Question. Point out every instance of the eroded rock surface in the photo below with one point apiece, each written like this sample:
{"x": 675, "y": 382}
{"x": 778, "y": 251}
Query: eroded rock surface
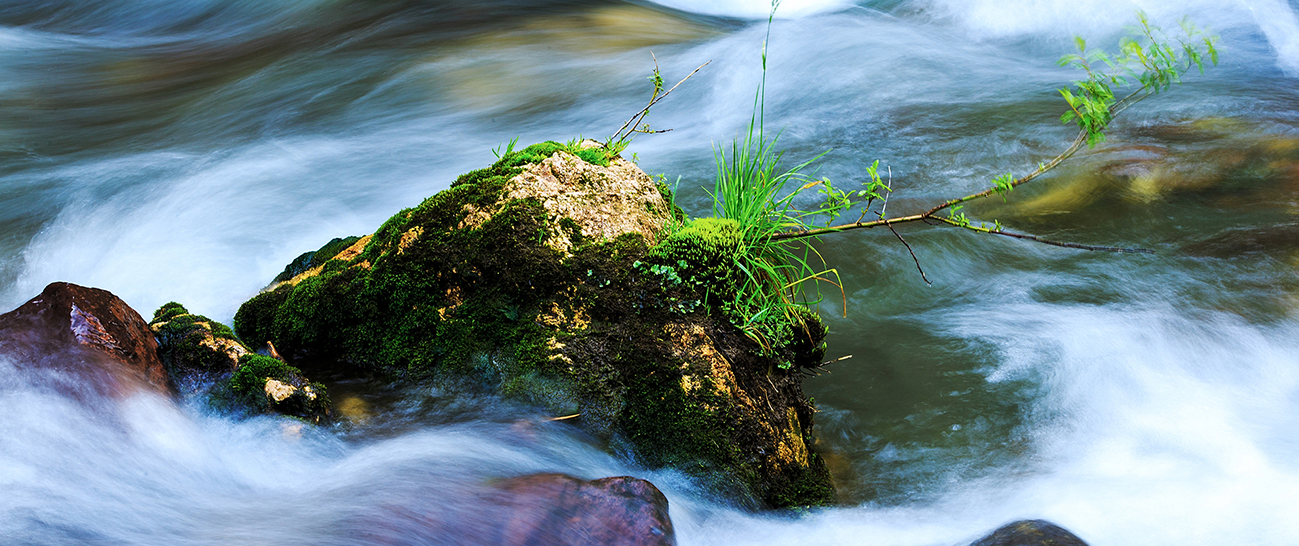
{"x": 560, "y": 510}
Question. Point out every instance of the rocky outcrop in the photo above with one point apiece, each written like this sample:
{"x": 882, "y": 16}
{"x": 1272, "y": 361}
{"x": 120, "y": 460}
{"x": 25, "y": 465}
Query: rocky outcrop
{"x": 1034, "y": 532}
{"x": 261, "y": 384}
{"x": 83, "y": 341}
{"x": 550, "y": 277}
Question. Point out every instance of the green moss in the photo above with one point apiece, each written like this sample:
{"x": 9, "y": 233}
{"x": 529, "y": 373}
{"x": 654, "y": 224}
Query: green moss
{"x": 167, "y": 311}
{"x": 810, "y": 488}
{"x": 308, "y": 260}
{"x": 182, "y": 341}
{"x": 250, "y": 377}
{"x": 248, "y": 386}
{"x": 470, "y": 300}
{"x": 705, "y": 252}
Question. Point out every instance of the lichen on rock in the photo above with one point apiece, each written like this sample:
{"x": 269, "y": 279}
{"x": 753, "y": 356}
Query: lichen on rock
{"x": 543, "y": 277}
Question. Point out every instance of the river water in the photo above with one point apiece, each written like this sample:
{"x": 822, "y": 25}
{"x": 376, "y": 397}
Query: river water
{"x": 187, "y": 150}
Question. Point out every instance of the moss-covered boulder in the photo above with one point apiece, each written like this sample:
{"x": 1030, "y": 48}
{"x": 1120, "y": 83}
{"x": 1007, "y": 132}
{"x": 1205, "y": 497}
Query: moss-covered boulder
{"x": 551, "y": 276}
{"x": 203, "y": 358}
{"x": 194, "y": 349}
{"x": 261, "y": 384}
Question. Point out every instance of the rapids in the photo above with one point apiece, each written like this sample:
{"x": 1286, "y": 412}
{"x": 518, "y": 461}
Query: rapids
{"x": 186, "y": 150}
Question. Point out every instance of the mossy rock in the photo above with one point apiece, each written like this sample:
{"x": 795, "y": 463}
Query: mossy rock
{"x": 195, "y": 350}
{"x": 524, "y": 276}
{"x": 316, "y": 258}
{"x": 262, "y": 385}
{"x": 203, "y": 358}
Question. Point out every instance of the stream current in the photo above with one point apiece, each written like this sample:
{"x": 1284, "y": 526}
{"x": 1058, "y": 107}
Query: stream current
{"x": 187, "y": 150}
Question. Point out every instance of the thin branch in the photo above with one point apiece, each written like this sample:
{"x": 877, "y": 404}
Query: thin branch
{"x": 635, "y": 119}
{"x": 913, "y": 255}
{"x": 1026, "y": 236}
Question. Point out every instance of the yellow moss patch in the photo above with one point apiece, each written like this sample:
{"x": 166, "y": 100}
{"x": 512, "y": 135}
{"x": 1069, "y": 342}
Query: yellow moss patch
{"x": 409, "y": 237}
{"x": 348, "y": 254}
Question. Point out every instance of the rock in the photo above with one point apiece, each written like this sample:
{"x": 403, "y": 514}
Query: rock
{"x": 316, "y": 258}
{"x": 560, "y": 510}
{"x": 1033, "y": 532}
{"x": 534, "y": 510}
{"x": 83, "y": 341}
{"x": 549, "y": 277}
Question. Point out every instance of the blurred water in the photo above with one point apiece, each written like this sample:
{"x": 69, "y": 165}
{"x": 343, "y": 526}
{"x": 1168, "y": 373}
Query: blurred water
{"x": 188, "y": 150}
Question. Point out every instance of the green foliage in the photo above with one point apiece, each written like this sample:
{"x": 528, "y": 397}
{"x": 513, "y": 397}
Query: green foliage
{"x": 246, "y": 390}
{"x": 535, "y": 153}
{"x": 168, "y": 311}
{"x": 1156, "y": 65}
{"x": 308, "y": 260}
{"x": 183, "y": 342}
{"x": 1004, "y": 184}
{"x": 250, "y": 377}
{"x": 758, "y": 195}
{"x": 509, "y": 148}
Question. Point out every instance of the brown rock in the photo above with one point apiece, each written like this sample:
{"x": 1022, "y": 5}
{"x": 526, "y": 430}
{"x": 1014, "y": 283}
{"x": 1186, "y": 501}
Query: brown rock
{"x": 533, "y": 510}
{"x": 83, "y": 341}
{"x": 556, "y": 509}
{"x": 1033, "y": 532}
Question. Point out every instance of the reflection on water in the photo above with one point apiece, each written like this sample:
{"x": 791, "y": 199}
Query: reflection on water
{"x": 188, "y": 150}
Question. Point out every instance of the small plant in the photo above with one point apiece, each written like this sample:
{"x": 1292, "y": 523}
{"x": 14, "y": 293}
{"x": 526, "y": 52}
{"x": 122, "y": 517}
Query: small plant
{"x": 1093, "y": 104}
{"x": 753, "y": 190}
{"x": 509, "y": 148}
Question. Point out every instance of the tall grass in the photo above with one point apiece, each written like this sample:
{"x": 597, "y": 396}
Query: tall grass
{"x": 752, "y": 189}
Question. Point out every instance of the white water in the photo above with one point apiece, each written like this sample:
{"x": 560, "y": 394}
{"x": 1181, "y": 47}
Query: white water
{"x": 1132, "y": 400}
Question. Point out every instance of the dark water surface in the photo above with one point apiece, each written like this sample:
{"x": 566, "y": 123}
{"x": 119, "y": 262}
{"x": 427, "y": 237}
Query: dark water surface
{"x": 187, "y": 150}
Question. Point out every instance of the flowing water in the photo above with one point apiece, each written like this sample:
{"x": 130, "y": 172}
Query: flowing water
{"x": 187, "y": 150}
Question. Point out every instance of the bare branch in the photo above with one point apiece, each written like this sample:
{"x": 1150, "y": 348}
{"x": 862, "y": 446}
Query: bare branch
{"x": 913, "y": 255}
{"x": 991, "y": 231}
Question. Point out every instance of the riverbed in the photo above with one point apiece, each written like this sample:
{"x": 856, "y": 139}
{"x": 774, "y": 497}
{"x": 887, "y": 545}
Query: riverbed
{"x": 187, "y": 150}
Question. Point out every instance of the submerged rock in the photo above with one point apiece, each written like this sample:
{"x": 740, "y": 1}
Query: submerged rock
{"x": 1034, "y": 532}
{"x": 560, "y": 510}
{"x": 533, "y": 510}
{"x": 81, "y": 341}
{"x": 550, "y": 276}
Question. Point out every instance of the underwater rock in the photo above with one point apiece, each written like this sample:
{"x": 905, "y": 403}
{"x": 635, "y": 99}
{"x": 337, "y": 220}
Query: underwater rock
{"x": 1034, "y": 532}
{"x": 550, "y": 277}
{"x": 83, "y": 341}
{"x": 546, "y": 509}
{"x": 560, "y": 510}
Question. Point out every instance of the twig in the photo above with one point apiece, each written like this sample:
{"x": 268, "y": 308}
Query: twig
{"x": 635, "y": 119}
{"x": 913, "y": 255}
{"x": 1064, "y": 244}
